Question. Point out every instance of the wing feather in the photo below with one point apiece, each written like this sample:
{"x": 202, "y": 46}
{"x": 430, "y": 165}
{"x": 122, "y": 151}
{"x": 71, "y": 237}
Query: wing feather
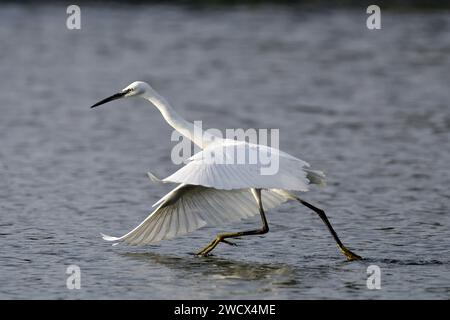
{"x": 187, "y": 208}
{"x": 287, "y": 172}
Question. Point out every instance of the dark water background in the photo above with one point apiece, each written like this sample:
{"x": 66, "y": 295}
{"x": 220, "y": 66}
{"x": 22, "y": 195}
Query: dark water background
{"x": 371, "y": 108}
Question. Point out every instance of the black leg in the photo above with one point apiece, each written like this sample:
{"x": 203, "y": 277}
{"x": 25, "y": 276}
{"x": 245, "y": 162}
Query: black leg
{"x": 350, "y": 255}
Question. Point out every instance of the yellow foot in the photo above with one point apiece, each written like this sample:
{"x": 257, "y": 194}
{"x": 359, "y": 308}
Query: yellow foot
{"x": 206, "y": 250}
{"x": 202, "y": 253}
{"x": 350, "y": 255}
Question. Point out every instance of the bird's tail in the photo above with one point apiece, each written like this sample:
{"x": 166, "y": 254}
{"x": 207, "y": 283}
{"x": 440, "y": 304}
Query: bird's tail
{"x": 315, "y": 177}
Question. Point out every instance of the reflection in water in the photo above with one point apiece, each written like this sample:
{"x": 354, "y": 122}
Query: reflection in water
{"x": 218, "y": 268}
{"x": 242, "y": 279}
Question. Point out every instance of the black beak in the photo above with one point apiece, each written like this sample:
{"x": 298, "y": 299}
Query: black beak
{"x": 112, "y": 98}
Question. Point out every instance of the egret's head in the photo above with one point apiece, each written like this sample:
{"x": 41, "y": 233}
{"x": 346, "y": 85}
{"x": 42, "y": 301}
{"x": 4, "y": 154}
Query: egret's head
{"x": 137, "y": 88}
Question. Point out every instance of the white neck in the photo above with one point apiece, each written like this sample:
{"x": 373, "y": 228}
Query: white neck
{"x": 187, "y": 129}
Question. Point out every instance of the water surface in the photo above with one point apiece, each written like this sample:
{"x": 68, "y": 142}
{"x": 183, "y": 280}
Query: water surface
{"x": 370, "y": 108}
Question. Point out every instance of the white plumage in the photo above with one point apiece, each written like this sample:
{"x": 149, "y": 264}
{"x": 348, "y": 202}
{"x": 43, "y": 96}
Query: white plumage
{"x": 196, "y": 203}
{"x": 214, "y": 192}
{"x": 189, "y": 207}
{"x": 218, "y": 166}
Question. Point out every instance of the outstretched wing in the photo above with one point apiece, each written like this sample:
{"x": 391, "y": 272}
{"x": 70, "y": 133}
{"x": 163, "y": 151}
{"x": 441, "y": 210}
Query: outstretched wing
{"x": 189, "y": 207}
{"x": 236, "y": 165}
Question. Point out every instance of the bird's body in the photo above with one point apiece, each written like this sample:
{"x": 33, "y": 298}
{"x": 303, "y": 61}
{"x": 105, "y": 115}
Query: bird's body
{"x": 218, "y": 185}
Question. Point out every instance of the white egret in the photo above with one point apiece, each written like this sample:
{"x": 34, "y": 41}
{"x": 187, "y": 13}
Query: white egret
{"x": 216, "y": 193}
